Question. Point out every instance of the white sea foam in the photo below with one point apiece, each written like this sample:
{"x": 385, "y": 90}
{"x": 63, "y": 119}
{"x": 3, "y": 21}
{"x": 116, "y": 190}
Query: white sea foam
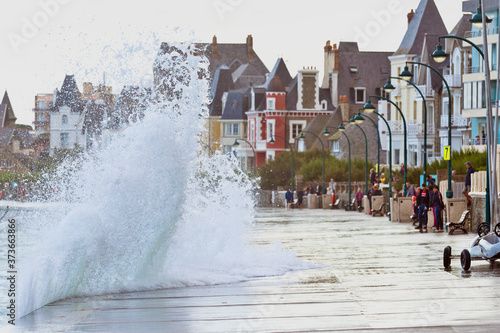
{"x": 148, "y": 210}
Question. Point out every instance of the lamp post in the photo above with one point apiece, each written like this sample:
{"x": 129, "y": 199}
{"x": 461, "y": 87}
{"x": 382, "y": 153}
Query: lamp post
{"x": 342, "y": 130}
{"x": 302, "y": 137}
{"x": 370, "y": 108}
{"x": 389, "y": 88}
{"x": 378, "y": 146}
{"x": 358, "y": 119}
{"x": 407, "y": 75}
{"x": 405, "y": 137}
{"x": 271, "y": 141}
{"x": 211, "y": 152}
{"x": 236, "y": 144}
{"x": 440, "y": 56}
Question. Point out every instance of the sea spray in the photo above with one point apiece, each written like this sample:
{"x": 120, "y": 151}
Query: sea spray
{"x": 147, "y": 209}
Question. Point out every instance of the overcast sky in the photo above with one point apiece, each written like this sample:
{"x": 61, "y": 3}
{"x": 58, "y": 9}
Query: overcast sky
{"x": 43, "y": 40}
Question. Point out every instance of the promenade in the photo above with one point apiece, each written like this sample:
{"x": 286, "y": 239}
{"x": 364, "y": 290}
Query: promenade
{"x": 374, "y": 275}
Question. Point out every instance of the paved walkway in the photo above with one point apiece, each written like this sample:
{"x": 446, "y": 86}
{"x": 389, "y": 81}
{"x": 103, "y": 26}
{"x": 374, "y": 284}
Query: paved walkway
{"x": 377, "y": 275}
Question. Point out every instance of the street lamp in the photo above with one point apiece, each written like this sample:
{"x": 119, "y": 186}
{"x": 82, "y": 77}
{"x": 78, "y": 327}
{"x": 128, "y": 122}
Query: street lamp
{"x": 302, "y": 137}
{"x": 389, "y": 88}
{"x": 236, "y": 144}
{"x": 271, "y": 141}
{"x": 390, "y": 153}
{"x": 405, "y": 137}
{"x": 378, "y": 146}
{"x": 407, "y": 75}
{"x": 356, "y": 120}
{"x": 477, "y": 19}
{"x": 342, "y": 130}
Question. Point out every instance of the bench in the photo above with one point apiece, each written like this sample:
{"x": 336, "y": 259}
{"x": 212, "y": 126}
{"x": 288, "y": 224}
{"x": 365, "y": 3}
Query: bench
{"x": 380, "y": 211}
{"x": 336, "y": 205}
{"x": 461, "y": 224}
{"x": 351, "y": 207}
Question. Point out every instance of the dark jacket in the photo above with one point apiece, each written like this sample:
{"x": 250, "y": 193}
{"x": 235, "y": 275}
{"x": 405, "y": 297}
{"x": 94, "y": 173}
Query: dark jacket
{"x": 373, "y": 178}
{"x": 423, "y": 198}
{"x": 470, "y": 171}
{"x": 437, "y": 200}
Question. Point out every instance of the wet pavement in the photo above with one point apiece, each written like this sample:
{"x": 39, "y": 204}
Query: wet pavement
{"x": 374, "y": 275}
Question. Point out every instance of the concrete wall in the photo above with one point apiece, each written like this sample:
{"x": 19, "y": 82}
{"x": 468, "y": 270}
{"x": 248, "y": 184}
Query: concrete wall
{"x": 395, "y": 210}
{"x": 405, "y": 209}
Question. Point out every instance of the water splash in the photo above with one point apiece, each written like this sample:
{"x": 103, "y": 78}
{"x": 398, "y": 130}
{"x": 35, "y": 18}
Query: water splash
{"x": 147, "y": 209}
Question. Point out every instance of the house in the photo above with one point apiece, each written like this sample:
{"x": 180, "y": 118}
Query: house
{"x": 232, "y": 66}
{"x": 66, "y": 121}
{"x": 7, "y": 116}
{"x": 43, "y": 106}
{"x": 425, "y": 25}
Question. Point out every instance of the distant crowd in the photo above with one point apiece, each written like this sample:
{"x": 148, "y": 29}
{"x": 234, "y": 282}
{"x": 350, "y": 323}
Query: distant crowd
{"x": 12, "y": 191}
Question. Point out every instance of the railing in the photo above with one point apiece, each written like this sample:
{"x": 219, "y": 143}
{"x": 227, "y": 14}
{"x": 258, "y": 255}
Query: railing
{"x": 414, "y": 128}
{"x": 477, "y": 69}
{"x": 456, "y": 121}
{"x": 454, "y": 81}
{"x": 479, "y": 33}
{"x": 427, "y": 91}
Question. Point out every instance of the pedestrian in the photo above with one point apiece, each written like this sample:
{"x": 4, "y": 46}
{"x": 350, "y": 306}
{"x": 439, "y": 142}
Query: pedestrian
{"x": 359, "y": 198}
{"x": 402, "y": 170}
{"x": 332, "y": 185}
{"x": 423, "y": 207}
{"x": 300, "y": 198}
{"x": 466, "y": 190}
{"x": 414, "y": 209}
{"x": 484, "y": 138}
{"x": 453, "y": 172}
{"x": 373, "y": 176}
{"x": 410, "y": 191}
{"x": 289, "y": 199}
{"x": 319, "y": 189}
{"x": 477, "y": 140}
{"x": 437, "y": 206}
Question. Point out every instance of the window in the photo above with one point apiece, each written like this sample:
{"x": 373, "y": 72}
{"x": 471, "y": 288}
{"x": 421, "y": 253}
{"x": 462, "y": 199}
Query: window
{"x": 41, "y": 117}
{"x": 65, "y": 119}
{"x": 271, "y": 103}
{"x": 41, "y": 104}
{"x": 2, "y": 163}
{"x": 353, "y": 69}
{"x": 335, "y": 146}
{"x": 296, "y": 127}
{"x": 467, "y": 95}
{"x": 232, "y": 129}
{"x": 270, "y": 129}
{"x": 64, "y": 140}
{"x": 323, "y": 105}
{"x": 360, "y": 95}
{"x": 396, "y": 160}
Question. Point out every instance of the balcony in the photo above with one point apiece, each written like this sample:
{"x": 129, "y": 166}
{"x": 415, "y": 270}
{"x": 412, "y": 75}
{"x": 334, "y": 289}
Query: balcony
{"x": 413, "y": 128}
{"x": 479, "y": 33}
{"x": 427, "y": 91}
{"x": 456, "y": 121}
{"x": 453, "y": 80}
{"x": 396, "y": 126}
{"x": 477, "y": 69}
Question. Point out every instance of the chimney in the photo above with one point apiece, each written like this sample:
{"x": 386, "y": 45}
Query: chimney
{"x": 328, "y": 47}
{"x": 410, "y": 16}
{"x": 215, "y": 52}
{"x": 336, "y": 52}
{"x": 250, "y": 47}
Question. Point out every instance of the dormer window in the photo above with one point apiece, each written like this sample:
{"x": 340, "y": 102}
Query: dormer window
{"x": 353, "y": 69}
{"x": 360, "y": 95}
{"x": 323, "y": 105}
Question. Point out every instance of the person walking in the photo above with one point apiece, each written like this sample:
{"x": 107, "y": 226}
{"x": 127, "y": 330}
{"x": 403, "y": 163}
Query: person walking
{"x": 332, "y": 189}
{"x": 373, "y": 176}
{"x": 423, "y": 207}
{"x": 410, "y": 191}
{"x": 437, "y": 205}
{"x": 300, "y": 198}
{"x": 359, "y": 198}
{"x": 289, "y": 199}
{"x": 466, "y": 190}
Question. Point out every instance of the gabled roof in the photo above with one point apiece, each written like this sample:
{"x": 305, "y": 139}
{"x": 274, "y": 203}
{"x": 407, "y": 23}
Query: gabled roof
{"x": 68, "y": 95}
{"x": 460, "y": 29}
{"x": 223, "y": 82}
{"x": 426, "y": 20}
{"x": 246, "y": 75}
{"x": 318, "y": 125}
{"x": 280, "y": 70}
{"x": 236, "y": 106}
{"x": 7, "y": 114}
{"x": 429, "y": 45}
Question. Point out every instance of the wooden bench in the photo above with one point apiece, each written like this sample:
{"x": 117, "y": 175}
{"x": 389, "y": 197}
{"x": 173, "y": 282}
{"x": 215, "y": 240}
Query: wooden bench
{"x": 380, "y": 211}
{"x": 461, "y": 224}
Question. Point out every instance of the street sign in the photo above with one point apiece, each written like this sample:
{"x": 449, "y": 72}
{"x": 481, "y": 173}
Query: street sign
{"x": 447, "y": 153}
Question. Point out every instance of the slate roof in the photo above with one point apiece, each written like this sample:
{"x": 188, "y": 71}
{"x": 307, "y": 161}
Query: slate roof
{"x": 222, "y": 82}
{"x": 471, "y": 5}
{"x": 280, "y": 70}
{"x": 6, "y": 135}
{"x": 236, "y": 106}
{"x": 24, "y": 137}
{"x": 460, "y": 29}
{"x": 426, "y": 20}
{"x": 246, "y": 75}
{"x": 372, "y": 68}
{"x": 226, "y": 54}
{"x": 317, "y": 126}
{"x": 292, "y": 96}
{"x": 6, "y": 113}
{"x": 429, "y": 46}
{"x": 68, "y": 95}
